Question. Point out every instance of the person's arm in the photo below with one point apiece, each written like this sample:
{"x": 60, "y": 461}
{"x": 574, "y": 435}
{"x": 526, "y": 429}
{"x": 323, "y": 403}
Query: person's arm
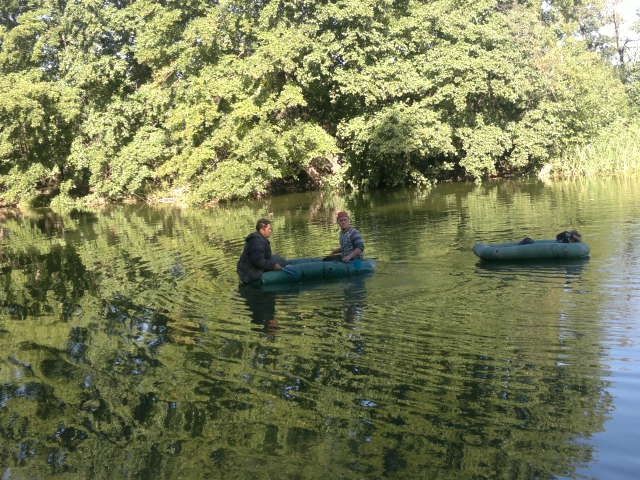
{"x": 354, "y": 253}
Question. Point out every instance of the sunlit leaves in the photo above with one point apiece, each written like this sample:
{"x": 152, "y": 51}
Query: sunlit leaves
{"x": 233, "y": 98}
{"x": 394, "y": 142}
{"x": 19, "y": 45}
{"x": 156, "y": 30}
{"x": 37, "y": 121}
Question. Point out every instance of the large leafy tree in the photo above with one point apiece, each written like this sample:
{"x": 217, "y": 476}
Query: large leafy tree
{"x": 236, "y": 98}
{"x": 481, "y": 90}
{"x": 37, "y": 119}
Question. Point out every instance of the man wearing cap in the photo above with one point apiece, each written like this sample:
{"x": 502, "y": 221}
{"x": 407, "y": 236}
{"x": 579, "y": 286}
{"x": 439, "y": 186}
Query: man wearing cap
{"x": 351, "y": 242}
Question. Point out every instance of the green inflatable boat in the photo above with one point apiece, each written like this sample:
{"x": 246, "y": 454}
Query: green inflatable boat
{"x": 539, "y": 249}
{"x": 314, "y": 269}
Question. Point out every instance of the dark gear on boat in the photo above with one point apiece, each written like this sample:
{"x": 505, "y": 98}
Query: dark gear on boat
{"x": 569, "y": 236}
{"x": 526, "y": 241}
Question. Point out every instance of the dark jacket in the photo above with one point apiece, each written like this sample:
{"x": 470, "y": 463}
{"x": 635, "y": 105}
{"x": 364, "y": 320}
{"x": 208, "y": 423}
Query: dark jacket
{"x": 255, "y": 258}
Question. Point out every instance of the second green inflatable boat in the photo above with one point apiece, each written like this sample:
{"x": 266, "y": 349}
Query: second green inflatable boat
{"x": 539, "y": 249}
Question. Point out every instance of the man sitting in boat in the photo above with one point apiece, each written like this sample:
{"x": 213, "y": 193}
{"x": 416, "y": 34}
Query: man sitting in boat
{"x": 256, "y": 257}
{"x": 351, "y": 242}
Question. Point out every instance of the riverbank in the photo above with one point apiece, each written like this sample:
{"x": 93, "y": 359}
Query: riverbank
{"x": 616, "y": 151}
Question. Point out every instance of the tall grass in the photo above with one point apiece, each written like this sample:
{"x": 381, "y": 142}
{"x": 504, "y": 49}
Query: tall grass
{"x": 615, "y": 151}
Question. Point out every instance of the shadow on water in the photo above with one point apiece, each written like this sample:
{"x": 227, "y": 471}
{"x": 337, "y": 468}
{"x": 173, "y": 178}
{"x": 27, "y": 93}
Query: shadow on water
{"x": 355, "y": 299}
{"x": 261, "y": 300}
{"x": 570, "y": 266}
{"x": 262, "y": 305}
{"x": 567, "y": 271}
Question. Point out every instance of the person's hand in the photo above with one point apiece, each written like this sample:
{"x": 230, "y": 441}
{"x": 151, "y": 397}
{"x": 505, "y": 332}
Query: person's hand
{"x": 277, "y": 266}
{"x": 346, "y": 258}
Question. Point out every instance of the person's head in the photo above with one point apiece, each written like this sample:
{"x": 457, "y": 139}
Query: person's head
{"x": 343, "y": 220}
{"x": 264, "y": 228}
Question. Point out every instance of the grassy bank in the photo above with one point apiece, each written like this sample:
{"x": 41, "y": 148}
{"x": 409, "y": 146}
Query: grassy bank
{"x": 615, "y": 151}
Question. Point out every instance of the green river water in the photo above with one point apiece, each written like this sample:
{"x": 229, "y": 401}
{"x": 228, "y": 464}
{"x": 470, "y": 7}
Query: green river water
{"x": 127, "y": 350}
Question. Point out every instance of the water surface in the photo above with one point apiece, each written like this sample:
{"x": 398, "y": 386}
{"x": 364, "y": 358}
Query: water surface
{"x": 128, "y": 350}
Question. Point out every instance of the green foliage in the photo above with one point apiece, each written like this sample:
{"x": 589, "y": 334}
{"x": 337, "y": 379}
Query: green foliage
{"x": 94, "y": 52}
{"x": 22, "y": 44}
{"x": 613, "y": 151}
{"x": 120, "y": 148}
{"x": 394, "y": 143}
{"x": 572, "y": 105}
{"x": 20, "y": 184}
{"x": 484, "y": 145}
{"x": 237, "y": 98}
{"x": 157, "y": 30}
{"x": 38, "y": 121}
{"x": 582, "y": 17}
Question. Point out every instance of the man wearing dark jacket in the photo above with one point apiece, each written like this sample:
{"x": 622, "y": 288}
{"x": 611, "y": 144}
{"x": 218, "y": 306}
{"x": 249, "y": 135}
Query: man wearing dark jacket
{"x": 256, "y": 256}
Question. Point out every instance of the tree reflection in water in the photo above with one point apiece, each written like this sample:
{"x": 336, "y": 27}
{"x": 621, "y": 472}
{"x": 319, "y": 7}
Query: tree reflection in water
{"x": 127, "y": 350}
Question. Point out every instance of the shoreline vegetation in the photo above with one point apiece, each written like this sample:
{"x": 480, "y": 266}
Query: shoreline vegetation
{"x": 195, "y": 103}
{"x": 615, "y": 151}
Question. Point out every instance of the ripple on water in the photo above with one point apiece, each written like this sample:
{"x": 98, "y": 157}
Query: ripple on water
{"x": 438, "y": 365}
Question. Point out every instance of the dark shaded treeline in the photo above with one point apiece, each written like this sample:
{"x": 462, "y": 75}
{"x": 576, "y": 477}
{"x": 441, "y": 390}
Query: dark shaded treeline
{"x": 210, "y": 101}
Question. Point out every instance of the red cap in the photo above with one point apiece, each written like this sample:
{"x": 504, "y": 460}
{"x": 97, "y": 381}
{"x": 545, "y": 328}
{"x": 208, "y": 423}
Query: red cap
{"x": 342, "y": 214}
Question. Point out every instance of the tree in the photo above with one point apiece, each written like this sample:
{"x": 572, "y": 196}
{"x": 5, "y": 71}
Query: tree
{"x": 38, "y": 121}
{"x": 242, "y": 97}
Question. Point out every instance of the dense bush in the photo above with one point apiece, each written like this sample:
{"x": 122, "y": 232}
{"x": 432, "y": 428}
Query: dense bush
{"x": 109, "y": 99}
